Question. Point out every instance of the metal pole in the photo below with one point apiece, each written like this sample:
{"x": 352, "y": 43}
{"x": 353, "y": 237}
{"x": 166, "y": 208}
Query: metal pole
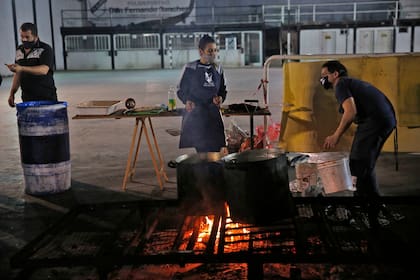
{"x": 251, "y": 112}
{"x": 263, "y": 13}
{"x": 113, "y": 52}
{"x": 412, "y": 37}
{"x": 15, "y": 23}
{"x": 288, "y": 27}
{"x": 34, "y": 10}
{"x": 354, "y": 39}
{"x": 396, "y": 12}
{"x": 251, "y": 123}
{"x": 281, "y": 39}
{"x": 347, "y": 39}
{"x": 52, "y": 32}
{"x": 64, "y": 52}
{"x": 162, "y": 51}
{"x": 314, "y": 13}
{"x": 354, "y": 12}
{"x": 282, "y": 15}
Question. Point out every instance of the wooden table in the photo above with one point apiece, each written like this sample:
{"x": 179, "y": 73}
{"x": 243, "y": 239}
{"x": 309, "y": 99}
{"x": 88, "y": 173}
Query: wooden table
{"x": 146, "y": 129}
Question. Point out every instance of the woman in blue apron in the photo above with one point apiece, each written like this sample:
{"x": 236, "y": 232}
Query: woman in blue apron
{"x": 202, "y": 89}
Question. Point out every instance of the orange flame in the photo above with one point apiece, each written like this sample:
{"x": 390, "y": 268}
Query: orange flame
{"x": 205, "y": 229}
{"x": 231, "y": 227}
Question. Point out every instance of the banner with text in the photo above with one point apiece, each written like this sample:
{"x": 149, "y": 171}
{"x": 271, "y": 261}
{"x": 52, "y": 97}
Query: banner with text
{"x": 132, "y": 12}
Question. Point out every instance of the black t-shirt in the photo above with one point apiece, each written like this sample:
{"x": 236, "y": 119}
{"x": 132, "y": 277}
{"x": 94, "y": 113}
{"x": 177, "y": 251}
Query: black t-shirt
{"x": 370, "y": 101}
{"x": 37, "y": 87}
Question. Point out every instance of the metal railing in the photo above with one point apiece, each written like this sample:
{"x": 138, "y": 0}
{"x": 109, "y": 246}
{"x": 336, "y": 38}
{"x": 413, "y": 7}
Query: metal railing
{"x": 331, "y": 12}
{"x": 269, "y": 14}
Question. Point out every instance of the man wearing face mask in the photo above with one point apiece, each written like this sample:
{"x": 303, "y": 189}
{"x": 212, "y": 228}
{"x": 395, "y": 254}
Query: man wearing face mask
{"x": 202, "y": 89}
{"x": 365, "y": 105}
{"x": 33, "y": 68}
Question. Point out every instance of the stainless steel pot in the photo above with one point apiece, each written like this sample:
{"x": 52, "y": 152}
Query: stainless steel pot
{"x": 257, "y": 186}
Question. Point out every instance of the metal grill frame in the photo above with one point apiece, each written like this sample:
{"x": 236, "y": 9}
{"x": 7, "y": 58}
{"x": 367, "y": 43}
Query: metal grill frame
{"x": 380, "y": 245}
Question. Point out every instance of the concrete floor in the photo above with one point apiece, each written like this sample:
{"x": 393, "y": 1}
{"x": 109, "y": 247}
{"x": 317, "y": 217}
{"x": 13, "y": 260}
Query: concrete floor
{"x": 99, "y": 149}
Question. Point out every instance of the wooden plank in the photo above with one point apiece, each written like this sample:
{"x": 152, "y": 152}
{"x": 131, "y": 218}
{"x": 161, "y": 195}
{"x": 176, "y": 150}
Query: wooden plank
{"x": 119, "y": 114}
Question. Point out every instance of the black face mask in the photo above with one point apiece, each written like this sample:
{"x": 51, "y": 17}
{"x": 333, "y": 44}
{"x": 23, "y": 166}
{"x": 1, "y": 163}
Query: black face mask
{"x": 28, "y": 45}
{"x": 325, "y": 83}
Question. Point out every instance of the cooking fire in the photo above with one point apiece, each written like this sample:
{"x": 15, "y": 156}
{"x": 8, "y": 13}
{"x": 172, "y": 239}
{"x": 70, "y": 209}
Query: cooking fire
{"x": 114, "y": 238}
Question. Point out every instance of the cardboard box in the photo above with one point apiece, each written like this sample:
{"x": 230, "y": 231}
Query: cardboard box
{"x": 306, "y": 174}
{"x": 99, "y": 107}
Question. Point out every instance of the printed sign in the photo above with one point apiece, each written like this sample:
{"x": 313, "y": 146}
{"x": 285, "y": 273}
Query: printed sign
{"x": 126, "y": 12}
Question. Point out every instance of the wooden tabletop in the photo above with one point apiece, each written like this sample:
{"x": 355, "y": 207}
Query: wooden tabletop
{"x": 177, "y": 113}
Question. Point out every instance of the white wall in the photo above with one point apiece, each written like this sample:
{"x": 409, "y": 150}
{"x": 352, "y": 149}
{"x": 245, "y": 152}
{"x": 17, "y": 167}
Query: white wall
{"x": 98, "y": 60}
{"x": 24, "y": 13}
{"x": 368, "y": 40}
{"x": 57, "y": 6}
{"x": 312, "y": 41}
{"x": 403, "y": 39}
{"x": 417, "y": 39}
{"x": 374, "y": 40}
{"x": 326, "y": 41}
{"x": 231, "y": 58}
{"x": 309, "y": 41}
{"x": 384, "y": 40}
{"x": 7, "y": 49}
{"x": 180, "y": 57}
{"x": 138, "y": 59}
{"x": 345, "y": 41}
{"x": 43, "y": 21}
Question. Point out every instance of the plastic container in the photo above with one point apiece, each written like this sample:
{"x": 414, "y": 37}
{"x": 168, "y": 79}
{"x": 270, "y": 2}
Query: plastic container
{"x": 44, "y": 146}
{"x": 171, "y": 98}
{"x": 335, "y": 176}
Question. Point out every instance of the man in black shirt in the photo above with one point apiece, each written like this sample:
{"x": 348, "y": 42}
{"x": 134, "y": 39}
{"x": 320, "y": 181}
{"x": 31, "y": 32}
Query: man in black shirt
{"x": 365, "y": 105}
{"x": 33, "y": 68}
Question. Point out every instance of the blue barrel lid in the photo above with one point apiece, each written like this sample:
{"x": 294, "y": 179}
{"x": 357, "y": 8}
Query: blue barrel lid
{"x": 22, "y": 106}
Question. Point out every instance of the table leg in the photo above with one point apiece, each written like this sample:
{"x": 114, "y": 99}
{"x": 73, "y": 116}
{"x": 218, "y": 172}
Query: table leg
{"x": 133, "y": 166}
{"x": 152, "y": 154}
{"x": 130, "y": 155}
{"x": 161, "y": 162}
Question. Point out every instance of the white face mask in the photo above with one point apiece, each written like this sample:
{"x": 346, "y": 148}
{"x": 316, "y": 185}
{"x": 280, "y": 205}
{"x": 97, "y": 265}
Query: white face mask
{"x": 210, "y": 59}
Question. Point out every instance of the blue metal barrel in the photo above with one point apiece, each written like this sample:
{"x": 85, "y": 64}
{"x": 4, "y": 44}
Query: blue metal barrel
{"x": 44, "y": 146}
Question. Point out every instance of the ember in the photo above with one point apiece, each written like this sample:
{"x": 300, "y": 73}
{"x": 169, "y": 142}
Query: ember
{"x": 140, "y": 234}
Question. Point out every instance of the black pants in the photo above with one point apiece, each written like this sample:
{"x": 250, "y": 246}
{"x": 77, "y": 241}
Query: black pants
{"x": 367, "y": 145}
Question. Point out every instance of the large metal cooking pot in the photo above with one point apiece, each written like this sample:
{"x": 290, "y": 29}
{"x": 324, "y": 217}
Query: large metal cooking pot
{"x": 200, "y": 178}
{"x": 257, "y": 186}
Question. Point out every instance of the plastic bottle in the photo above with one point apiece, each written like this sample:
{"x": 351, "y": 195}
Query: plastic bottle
{"x": 171, "y": 98}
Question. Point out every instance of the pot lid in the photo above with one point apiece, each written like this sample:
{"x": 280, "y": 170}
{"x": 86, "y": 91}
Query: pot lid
{"x": 253, "y": 155}
{"x": 199, "y": 157}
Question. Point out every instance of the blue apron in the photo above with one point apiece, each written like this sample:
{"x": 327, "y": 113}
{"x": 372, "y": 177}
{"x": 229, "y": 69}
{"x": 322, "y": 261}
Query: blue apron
{"x": 202, "y": 128}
